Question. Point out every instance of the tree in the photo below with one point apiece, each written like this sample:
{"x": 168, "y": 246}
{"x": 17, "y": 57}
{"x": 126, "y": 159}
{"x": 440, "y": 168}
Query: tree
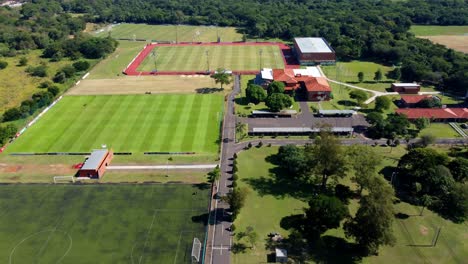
{"x": 236, "y": 199}
{"x": 431, "y": 102}
{"x": 252, "y": 236}
{"x": 427, "y": 140}
{"x": 360, "y": 76}
{"x": 359, "y": 95}
{"x": 326, "y": 158}
{"x": 38, "y": 71}
{"x": 68, "y": 70}
{"x": 364, "y": 162}
{"x": 375, "y": 118}
{"x": 54, "y": 90}
{"x": 378, "y": 75}
{"x": 81, "y": 65}
{"x": 455, "y": 204}
{"x": 3, "y": 65}
{"x": 459, "y": 169}
{"x": 221, "y": 77}
{"x": 241, "y": 130}
{"x": 372, "y": 225}
{"x": 255, "y": 93}
{"x": 7, "y": 132}
{"x": 394, "y": 74}
{"x": 421, "y": 123}
{"x": 324, "y": 212}
{"x": 11, "y": 114}
{"x": 23, "y": 61}
{"x": 214, "y": 175}
{"x": 60, "y": 77}
{"x": 425, "y": 200}
{"x": 292, "y": 159}
{"x": 275, "y": 87}
{"x": 382, "y": 103}
{"x": 278, "y": 101}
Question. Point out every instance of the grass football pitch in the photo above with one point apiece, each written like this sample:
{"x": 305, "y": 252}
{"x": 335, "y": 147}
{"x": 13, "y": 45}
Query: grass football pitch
{"x": 194, "y": 58}
{"x": 127, "y": 123}
{"x": 101, "y": 224}
{"x": 183, "y": 33}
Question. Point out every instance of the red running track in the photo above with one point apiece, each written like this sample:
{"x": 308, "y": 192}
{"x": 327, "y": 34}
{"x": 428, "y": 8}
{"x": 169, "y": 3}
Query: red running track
{"x": 288, "y": 58}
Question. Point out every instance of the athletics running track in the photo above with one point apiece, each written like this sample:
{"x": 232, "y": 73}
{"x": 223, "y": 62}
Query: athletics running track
{"x": 288, "y": 58}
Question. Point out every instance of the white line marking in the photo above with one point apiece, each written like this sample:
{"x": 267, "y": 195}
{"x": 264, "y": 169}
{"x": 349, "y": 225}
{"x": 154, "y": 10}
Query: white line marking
{"x": 177, "y": 248}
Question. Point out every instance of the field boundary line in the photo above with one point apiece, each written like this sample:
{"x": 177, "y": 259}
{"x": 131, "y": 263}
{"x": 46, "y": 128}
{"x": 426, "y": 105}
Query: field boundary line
{"x": 147, "y": 236}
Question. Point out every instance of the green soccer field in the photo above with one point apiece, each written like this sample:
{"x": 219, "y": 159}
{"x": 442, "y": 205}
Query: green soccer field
{"x": 183, "y": 33}
{"x": 195, "y": 58}
{"x": 127, "y": 123}
{"x": 101, "y": 224}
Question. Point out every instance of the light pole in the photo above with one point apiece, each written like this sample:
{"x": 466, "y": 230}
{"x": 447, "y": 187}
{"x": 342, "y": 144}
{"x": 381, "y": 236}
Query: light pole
{"x": 260, "y": 53}
{"x": 207, "y": 53}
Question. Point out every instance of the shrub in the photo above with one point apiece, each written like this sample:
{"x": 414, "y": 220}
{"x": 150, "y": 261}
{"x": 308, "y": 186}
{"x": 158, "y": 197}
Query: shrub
{"x": 12, "y": 114}
{"x": 59, "y": 77}
{"x": 54, "y": 90}
{"x": 38, "y": 71}
{"x": 68, "y": 70}
{"x": 45, "y": 84}
{"x": 23, "y": 61}
{"x": 3, "y": 65}
{"x": 81, "y": 65}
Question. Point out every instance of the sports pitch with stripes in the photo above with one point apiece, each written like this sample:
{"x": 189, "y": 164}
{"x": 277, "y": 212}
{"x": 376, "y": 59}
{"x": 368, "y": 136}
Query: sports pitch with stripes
{"x": 124, "y": 223}
{"x": 198, "y": 58}
{"x": 127, "y": 123}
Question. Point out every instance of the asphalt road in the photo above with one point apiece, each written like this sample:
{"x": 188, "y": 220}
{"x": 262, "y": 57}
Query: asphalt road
{"x": 220, "y": 239}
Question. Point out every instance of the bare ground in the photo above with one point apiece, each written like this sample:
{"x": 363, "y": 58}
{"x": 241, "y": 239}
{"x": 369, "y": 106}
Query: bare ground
{"x": 143, "y": 84}
{"x": 459, "y": 43}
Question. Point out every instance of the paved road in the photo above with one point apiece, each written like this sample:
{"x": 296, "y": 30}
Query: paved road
{"x": 164, "y": 167}
{"x": 220, "y": 240}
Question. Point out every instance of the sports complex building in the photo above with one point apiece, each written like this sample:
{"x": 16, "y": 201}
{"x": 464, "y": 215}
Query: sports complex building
{"x": 96, "y": 164}
{"x": 313, "y": 51}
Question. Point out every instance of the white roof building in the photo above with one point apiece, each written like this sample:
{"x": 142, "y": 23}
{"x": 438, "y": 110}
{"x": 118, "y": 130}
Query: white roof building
{"x": 313, "y": 45}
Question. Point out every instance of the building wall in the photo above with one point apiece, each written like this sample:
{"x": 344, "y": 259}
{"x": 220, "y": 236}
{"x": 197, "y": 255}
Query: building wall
{"x": 99, "y": 172}
{"x": 314, "y": 58}
{"x": 316, "y": 96}
{"x": 406, "y": 90}
{"x": 88, "y": 173}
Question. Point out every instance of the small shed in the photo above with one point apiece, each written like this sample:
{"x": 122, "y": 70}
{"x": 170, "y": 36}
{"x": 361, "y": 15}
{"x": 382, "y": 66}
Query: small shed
{"x": 95, "y": 165}
{"x": 281, "y": 255}
{"x": 408, "y": 88}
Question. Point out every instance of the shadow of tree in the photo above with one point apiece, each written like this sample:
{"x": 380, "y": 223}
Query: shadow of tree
{"x": 347, "y": 103}
{"x": 330, "y": 249}
{"x": 280, "y": 185}
{"x": 208, "y": 90}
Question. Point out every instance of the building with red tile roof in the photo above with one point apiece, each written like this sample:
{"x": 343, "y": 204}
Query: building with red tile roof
{"x": 436, "y": 114}
{"x": 413, "y": 100}
{"x": 316, "y": 86}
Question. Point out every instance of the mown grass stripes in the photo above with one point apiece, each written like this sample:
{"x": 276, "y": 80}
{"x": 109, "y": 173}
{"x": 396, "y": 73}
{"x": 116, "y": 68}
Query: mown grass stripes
{"x": 193, "y": 58}
{"x": 127, "y": 123}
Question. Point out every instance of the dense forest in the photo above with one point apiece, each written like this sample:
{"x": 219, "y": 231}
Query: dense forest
{"x": 357, "y": 29}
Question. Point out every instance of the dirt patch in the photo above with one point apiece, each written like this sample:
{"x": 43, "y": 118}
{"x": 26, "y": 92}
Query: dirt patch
{"x": 143, "y": 84}
{"x": 423, "y": 230}
{"x": 459, "y": 43}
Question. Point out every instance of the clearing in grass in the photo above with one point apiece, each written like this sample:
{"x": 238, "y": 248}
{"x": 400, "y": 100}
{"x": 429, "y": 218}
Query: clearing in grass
{"x": 148, "y": 223}
{"x": 127, "y": 123}
{"x": 433, "y": 30}
{"x": 236, "y": 57}
{"x": 181, "y": 33}
{"x": 144, "y": 84}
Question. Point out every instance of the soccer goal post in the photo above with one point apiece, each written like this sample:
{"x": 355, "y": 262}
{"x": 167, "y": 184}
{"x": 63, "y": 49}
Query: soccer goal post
{"x": 64, "y": 179}
{"x": 196, "y": 249}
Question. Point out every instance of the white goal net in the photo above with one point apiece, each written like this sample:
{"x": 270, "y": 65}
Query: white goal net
{"x": 64, "y": 179}
{"x": 196, "y": 249}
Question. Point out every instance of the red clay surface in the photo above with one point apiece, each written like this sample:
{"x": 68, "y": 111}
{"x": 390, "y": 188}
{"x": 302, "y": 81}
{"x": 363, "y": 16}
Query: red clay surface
{"x": 289, "y": 60}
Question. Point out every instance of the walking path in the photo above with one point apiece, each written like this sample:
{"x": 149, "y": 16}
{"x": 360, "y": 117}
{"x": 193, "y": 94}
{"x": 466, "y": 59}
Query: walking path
{"x": 164, "y": 167}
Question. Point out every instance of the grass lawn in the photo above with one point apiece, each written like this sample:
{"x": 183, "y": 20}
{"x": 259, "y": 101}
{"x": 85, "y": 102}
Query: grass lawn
{"x": 262, "y": 211}
{"x": 184, "y": 33}
{"x": 424, "y": 30}
{"x": 243, "y": 108}
{"x": 115, "y": 63}
{"x": 110, "y": 223}
{"x": 340, "y": 101}
{"x": 440, "y": 130}
{"x": 16, "y": 85}
{"x": 348, "y": 71}
{"x": 193, "y": 58}
{"x": 273, "y": 201}
{"x": 127, "y": 123}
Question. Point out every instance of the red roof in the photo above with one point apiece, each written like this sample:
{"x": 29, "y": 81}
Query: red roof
{"x": 316, "y": 84}
{"x": 414, "y": 99}
{"x": 284, "y": 75}
{"x": 312, "y": 84}
{"x": 438, "y": 113}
